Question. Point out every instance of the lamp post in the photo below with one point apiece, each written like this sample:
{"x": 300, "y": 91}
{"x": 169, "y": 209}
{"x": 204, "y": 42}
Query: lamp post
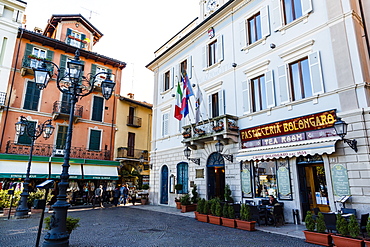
{"x": 341, "y": 129}
{"x": 219, "y": 148}
{"x": 187, "y": 152}
{"x": 69, "y": 81}
{"x": 26, "y": 127}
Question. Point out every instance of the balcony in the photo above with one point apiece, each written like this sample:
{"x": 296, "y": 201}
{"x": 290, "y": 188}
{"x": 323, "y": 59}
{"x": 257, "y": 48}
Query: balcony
{"x": 76, "y": 42}
{"x": 30, "y": 61}
{"x": 61, "y": 110}
{"x": 2, "y": 99}
{"x": 223, "y": 127}
{"x": 125, "y": 153}
{"x": 134, "y": 121}
{"x": 52, "y": 151}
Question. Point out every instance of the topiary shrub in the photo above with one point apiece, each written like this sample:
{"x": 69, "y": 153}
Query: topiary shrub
{"x": 185, "y": 200}
{"x": 320, "y": 223}
{"x": 227, "y": 194}
{"x": 231, "y": 212}
{"x": 309, "y": 221}
{"x": 245, "y": 212}
{"x": 368, "y": 226}
{"x": 71, "y": 223}
{"x": 218, "y": 209}
{"x": 342, "y": 225}
{"x": 206, "y": 207}
{"x": 353, "y": 227}
{"x": 212, "y": 207}
{"x": 200, "y": 206}
{"x": 225, "y": 210}
{"x": 194, "y": 198}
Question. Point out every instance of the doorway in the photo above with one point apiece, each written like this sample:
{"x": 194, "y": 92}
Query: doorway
{"x": 312, "y": 181}
{"x": 216, "y": 176}
{"x": 164, "y": 185}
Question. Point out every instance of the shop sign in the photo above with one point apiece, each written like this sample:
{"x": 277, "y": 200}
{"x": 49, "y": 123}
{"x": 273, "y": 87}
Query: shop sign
{"x": 340, "y": 181}
{"x": 288, "y": 127}
{"x": 278, "y": 155}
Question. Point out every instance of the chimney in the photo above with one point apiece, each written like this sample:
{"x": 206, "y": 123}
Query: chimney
{"x": 130, "y": 95}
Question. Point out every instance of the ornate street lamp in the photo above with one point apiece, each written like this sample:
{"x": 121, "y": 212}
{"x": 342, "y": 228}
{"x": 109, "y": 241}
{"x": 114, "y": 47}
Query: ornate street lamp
{"x": 341, "y": 129}
{"x": 69, "y": 81}
{"x": 187, "y": 152}
{"x": 219, "y": 148}
{"x": 26, "y": 127}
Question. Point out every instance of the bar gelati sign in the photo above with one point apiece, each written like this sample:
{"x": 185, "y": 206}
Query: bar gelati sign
{"x": 289, "y": 127}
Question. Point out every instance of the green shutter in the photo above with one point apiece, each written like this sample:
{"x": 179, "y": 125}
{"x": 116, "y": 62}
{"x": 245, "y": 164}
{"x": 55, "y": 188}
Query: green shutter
{"x": 32, "y": 96}
{"x": 97, "y": 113}
{"x": 83, "y": 37}
{"x": 50, "y": 55}
{"x": 61, "y": 137}
{"x": 28, "y": 50}
{"x": 93, "y": 69}
{"x": 94, "y": 144}
{"x": 69, "y": 32}
{"x": 62, "y": 66}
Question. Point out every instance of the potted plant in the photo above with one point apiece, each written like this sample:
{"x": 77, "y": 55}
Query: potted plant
{"x": 194, "y": 198}
{"x": 178, "y": 187}
{"x": 228, "y": 218}
{"x": 5, "y": 200}
{"x": 71, "y": 223}
{"x": 367, "y": 242}
{"x": 348, "y": 231}
{"x": 203, "y": 209}
{"x": 319, "y": 237}
{"x": 245, "y": 222}
{"x": 186, "y": 205}
{"x": 216, "y": 211}
{"x": 227, "y": 194}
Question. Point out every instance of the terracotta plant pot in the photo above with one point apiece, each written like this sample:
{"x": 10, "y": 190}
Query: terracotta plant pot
{"x": 341, "y": 241}
{"x": 246, "y": 225}
{"x": 178, "y": 205}
{"x": 367, "y": 243}
{"x": 318, "y": 238}
{"x": 203, "y": 218}
{"x": 228, "y": 222}
{"x": 196, "y": 215}
{"x": 214, "y": 219}
{"x": 188, "y": 208}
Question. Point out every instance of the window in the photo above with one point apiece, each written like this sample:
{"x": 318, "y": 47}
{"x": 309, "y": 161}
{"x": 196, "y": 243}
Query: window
{"x": 216, "y": 104}
{"x": 165, "y": 120}
{"x": 131, "y": 144}
{"x": 292, "y": 10}
{"x": 65, "y": 106}
{"x": 97, "y": 111}
{"x": 25, "y": 139}
{"x": 61, "y": 137}
{"x": 300, "y": 79}
{"x": 39, "y": 53}
{"x": 254, "y": 28}
{"x": 75, "y": 38}
{"x": 166, "y": 81}
{"x": 182, "y": 177}
{"x": 186, "y": 67}
{"x": 31, "y": 55}
{"x": 32, "y": 97}
{"x": 96, "y": 69}
{"x": 265, "y": 178}
{"x": 214, "y": 52}
{"x": 259, "y": 101}
{"x": 94, "y": 143}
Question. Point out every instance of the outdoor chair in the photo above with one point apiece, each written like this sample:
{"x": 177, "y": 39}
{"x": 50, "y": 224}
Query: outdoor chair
{"x": 237, "y": 208}
{"x": 363, "y": 222}
{"x": 278, "y": 214}
{"x": 256, "y": 214}
{"x": 316, "y": 212}
{"x": 348, "y": 211}
{"x": 330, "y": 220}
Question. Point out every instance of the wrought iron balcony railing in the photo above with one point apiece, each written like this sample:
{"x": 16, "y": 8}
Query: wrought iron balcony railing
{"x": 52, "y": 150}
{"x": 131, "y": 153}
{"x": 225, "y": 126}
{"x": 2, "y": 98}
{"x": 62, "y": 107}
{"x": 134, "y": 121}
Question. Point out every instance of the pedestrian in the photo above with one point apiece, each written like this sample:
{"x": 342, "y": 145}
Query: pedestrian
{"x": 116, "y": 194}
{"x": 98, "y": 196}
{"x": 124, "y": 194}
{"x": 133, "y": 195}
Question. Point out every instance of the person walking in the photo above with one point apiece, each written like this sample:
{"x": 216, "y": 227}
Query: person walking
{"x": 124, "y": 194}
{"x": 98, "y": 196}
{"x": 116, "y": 194}
{"x": 133, "y": 195}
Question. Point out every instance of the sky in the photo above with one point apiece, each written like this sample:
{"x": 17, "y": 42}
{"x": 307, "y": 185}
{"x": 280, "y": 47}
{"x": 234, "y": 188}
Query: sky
{"x": 133, "y": 30}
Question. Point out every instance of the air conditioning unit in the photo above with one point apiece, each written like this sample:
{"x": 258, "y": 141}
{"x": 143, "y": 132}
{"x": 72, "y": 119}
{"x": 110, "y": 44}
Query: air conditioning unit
{"x": 59, "y": 152}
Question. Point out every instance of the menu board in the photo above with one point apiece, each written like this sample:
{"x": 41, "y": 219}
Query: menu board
{"x": 246, "y": 182}
{"x": 283, "y": 180}
{"x": 340, "y": 181}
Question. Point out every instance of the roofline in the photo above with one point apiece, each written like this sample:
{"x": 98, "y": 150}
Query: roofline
{"x": 57, "y": 44}
{"x": 192, "y": 31}
{"x": 147, "y": 105}
{"x": 22, "y": 1}
{"x": 78, "y": 15}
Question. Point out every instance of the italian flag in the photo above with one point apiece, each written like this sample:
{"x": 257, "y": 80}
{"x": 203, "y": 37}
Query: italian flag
{"x": 178, "y": 114}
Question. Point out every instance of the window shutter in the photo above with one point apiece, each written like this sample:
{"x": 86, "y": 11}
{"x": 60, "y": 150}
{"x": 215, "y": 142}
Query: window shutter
{"x": 316, "y": 73}
{"x": 283, "y": 84}
{"x": 205, "y": 58}
{"x": 50, "y": 55}
{"x": 83, "y": 37}
{"x": 221, "y": 106}
{"x": 306, "y": 6}
{"x": 161, "y": 81}
{"x": 94, "y": 144}
{"x": 93, "y": 69}
{"x": 32, "y": 97}
{"x": 165, "y": 124}
{"x": 220, "y": 48}
{"x": 246, "y": 100}
{"x": 265, "y": 22}
{"x": 190, "y": 67}
{"x": 69, "y": 32}
{"x": 62, "y": 66}
{"x": 61, "y": 137}
{"x": 277, "y": 20}
{"x": 210, "y": 105}
{"x": 243, "y": 34}
{"x": 28, "y": 50}
{"x": 97, "y": 111}
{"x": 270, "y": 91}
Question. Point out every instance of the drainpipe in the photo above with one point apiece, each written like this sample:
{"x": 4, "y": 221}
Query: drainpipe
{"x": 11, "y": 89}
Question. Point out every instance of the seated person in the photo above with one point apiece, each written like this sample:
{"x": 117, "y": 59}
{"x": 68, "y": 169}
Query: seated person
{"x": 272, "y": 200}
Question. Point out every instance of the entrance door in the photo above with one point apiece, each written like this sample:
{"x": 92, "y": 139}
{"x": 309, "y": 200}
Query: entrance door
{"x": 313, "y": 188}
{"x": 216, "y": 176}
{"x": 164, "y": 185}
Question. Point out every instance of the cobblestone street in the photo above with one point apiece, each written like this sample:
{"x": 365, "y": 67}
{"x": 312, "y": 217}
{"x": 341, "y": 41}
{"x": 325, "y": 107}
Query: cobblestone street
{"x": 130, "y": 226}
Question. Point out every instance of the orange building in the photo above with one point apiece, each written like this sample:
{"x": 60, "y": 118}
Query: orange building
{"x": 94, "y": 125}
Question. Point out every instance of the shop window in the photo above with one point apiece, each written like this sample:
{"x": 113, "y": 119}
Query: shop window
{"x": 265, "y": 178}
